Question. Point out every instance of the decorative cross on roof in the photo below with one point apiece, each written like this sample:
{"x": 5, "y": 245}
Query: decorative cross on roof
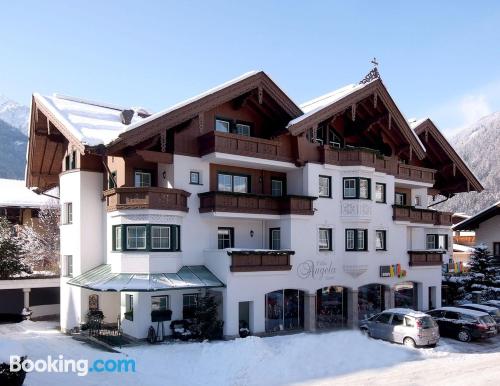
{"x": 373, "y": 74}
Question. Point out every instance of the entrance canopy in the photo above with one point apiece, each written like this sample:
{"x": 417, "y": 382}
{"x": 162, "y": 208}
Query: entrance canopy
{"x": 188, "y": 277}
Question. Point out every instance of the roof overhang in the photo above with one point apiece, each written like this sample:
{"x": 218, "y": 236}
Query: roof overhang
{"x": 426, "y": 128}
{"x": 474, "y": 221}
{"x": 374, "y": 87}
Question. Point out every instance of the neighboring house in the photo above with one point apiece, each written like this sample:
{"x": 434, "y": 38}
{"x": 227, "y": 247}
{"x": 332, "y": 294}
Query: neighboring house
{"x": 463, "y": 241}
{"x": 486, "y": 226}
{"x": 38, "y": 292}
{"x": 294, "y": 218}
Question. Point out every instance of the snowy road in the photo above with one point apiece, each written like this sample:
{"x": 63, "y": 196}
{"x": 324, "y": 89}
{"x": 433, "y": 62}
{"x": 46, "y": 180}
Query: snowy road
{"x": 340, "y": 358}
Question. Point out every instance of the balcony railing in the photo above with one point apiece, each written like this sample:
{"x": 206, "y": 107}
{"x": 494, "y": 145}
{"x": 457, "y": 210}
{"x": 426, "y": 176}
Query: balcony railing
{"x": 146, "y": 198}
{"x": 425, "y": 258}
{"x": 259, "y": 260}
{"x": 420, "y": 216}
{"x": 383, "y": 164}
{"x": 217, "y": 141}
{"x": 255, "y": 203}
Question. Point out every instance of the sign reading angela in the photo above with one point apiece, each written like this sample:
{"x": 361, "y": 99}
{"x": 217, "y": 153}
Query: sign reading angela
{"x": 316, "y": 270}
{"x": 392, "y": 271}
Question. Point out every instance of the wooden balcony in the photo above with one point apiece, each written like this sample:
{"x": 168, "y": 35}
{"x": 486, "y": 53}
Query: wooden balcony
{"x": 255, "y": 203}
{"x": 230, "y": 143}
{"x": 146, "y": 198}
{"x": 425, "y": 258}
{"x": 370, "y": 158}
{"x": 258, "y": 260}
{"x": 420, "y": 216}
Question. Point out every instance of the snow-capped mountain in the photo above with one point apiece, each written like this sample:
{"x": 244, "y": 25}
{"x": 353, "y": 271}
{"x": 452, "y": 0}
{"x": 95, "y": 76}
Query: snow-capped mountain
{"x": 14, "y": 114}
{"x": 479, "y": 146}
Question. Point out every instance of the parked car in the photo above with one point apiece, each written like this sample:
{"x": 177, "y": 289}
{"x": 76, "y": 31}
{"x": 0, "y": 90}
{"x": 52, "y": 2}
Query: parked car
{"x": 492, "y": 311}
{"x": 464, "y": 324}
{"x": 402, "y": 325}
{"x": 492, "y": 303}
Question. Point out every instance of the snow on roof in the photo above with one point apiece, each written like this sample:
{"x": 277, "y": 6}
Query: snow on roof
{"x": 311, "y": 107}
{"x": 92, "y": 123}
{"x": 462, "y": 248}
{"x": 14, "y": 193}
{"x": 471, "y": 218}
{"x": 414, "y": 123}
{"x": 192, "y": 99}
{"x": 465, "y": 311}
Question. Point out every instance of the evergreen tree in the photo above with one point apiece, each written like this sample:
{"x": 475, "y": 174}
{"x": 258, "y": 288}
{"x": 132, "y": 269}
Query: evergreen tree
{"x": 482, "y": 264}
{"x": 207, "y": 326}
{"x": 11, "y": 262}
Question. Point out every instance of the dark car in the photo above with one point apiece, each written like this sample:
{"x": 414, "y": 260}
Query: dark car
{"x": 464, "y": 324}
{"x": 490, "y": 310}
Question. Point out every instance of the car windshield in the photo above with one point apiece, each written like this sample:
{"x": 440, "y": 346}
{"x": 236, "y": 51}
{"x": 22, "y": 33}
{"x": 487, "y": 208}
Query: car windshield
{"x": 427, "y": 322}
{"x": 486, "y": 320}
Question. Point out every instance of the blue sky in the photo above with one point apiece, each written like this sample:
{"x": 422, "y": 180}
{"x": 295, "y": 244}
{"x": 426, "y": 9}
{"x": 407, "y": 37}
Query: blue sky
{"x": 438, "y": 58}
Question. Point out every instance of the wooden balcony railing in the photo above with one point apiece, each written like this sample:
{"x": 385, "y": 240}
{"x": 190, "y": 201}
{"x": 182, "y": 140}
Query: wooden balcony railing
{"x": 146, "y": 198}
{"x": 420, "y": 216}
{"x": 254, "y": 261}
{"x": 255, "y": 203}
{"x": 230, "y": 143}
{"x": 370, "y": 158}
{"x": 425, "y": 258}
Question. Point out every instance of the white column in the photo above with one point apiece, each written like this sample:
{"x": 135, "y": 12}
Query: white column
{"x": 310, "y": 312}
{"x": 26, "y": 292}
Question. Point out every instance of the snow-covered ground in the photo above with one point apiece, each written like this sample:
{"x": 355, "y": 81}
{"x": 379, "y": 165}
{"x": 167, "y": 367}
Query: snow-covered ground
{"x": 344, "y": 357}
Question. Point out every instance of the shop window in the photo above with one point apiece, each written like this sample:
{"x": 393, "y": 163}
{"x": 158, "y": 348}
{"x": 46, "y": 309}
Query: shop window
{"x": 189, "y": 304}
{"x": 225, "y": 238}
{"x": 370, "y": 300}
{"x": 325, "y": 186}
{"x": 325, "y": 239}
{"x": 284, "y": 310}
{"x": 380, "y": 192}
{"x": 380, "y": 240}
{"x": 331, "y": 307}
{"x": 275, "y": 238}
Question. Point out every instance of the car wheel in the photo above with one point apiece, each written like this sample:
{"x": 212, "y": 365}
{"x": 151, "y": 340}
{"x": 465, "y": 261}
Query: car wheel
{"x": 464, "y": 336}
{"x": 364, "y": 331}
{"x": 409, "y": 342}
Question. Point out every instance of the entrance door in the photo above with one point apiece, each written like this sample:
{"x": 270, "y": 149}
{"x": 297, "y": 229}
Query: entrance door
{"x": 284, "y": 310}
{"x": 331, "y": 307}
{"x": 244, "y": 316}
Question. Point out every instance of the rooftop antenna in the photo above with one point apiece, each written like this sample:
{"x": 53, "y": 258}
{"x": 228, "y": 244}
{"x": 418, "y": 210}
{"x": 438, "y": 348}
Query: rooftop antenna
{"x": 373, "y": 74}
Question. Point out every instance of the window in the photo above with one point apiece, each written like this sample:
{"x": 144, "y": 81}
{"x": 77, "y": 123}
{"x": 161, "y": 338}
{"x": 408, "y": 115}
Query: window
{"x": 276, "y": 188}
{"x": 112, "y": 180}
{"x": 380, "y": 240}
{"x": 400, "y": 199}
{"x": 68, "y": 213}
{"x": 384, "y": 318}
{"x": 418, "y": 200}
{"x": 68, "y": 262}
{"x": 189, "y": 304}
{"x": 117, "y": 242}
{"x": 409, "y": 322}
{"x": 325, "y": 239}
{"x": 194, "y": 178}
{"x": 243, "y": 129}
{"x": 225, "y": 238}
{"x": 129, "y": 307}
{"x": 355, "y": 187}
{"x": 397, "y": 320}
{"x": 160, "y": 237}
{"x": 159, "y": 303}
{"x": 70, "y": 161}
{"x": 496, "y": 249}
{"x": 142, "y": 179}
{"x": 356, "y": 239}
{"x": 380, "y": 192}
{"x": 221, "y": 125}
{"x": 136, "y": 237}
{"x": 275, "y": 238}
{"x": 232, "y": 183}
{"x": 325, "y": 186}
{"x": 436, "y": 241}
{"x": 150, "y": 237}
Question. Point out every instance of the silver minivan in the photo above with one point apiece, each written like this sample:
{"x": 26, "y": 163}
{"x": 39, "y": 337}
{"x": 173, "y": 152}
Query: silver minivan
{"x": 402, "y": 325}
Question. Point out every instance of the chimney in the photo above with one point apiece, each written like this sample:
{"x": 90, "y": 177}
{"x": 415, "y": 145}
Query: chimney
{"x": 126, "y": 116}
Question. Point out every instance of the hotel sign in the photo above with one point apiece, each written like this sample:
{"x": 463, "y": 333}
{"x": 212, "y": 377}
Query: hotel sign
{"x": 316, "y": 270}
{"x": 392, "y": 271}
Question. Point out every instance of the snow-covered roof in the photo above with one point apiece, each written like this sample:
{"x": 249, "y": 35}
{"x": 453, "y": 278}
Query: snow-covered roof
{"x": 413, "y": 122}
{"x": 14, "y": 193}
{"x": 462, "y": 248}
{"x": 92, "y": 123}
{"x": 192, "y": 99}
{"x": 311, "y": 107}
{"x": 483, "y": 215}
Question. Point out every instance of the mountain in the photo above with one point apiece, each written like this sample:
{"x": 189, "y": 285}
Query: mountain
{"x": 14, "y": 114}
{"x": 13, "y": 144}
{"x": 479, "y": 146}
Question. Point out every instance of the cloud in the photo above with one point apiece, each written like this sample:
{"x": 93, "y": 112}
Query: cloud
{"x": 467, "y": 109}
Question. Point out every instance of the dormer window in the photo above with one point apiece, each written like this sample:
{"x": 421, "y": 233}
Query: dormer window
{"x": 222, "y": 125}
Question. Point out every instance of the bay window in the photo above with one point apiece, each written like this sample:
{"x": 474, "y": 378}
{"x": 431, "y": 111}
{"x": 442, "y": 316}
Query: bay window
{"x": 146, "y": 237}
{"x": 136, "y": 237}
